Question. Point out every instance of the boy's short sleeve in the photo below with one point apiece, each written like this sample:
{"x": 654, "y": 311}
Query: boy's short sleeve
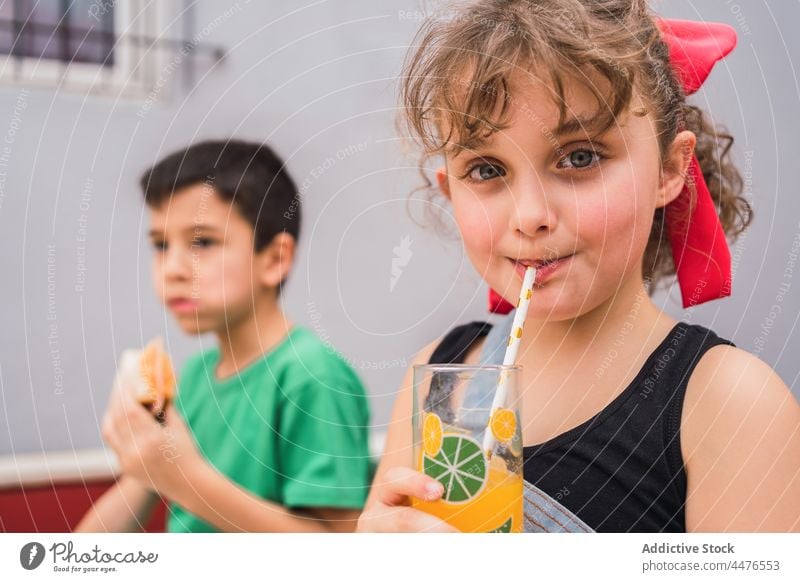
{"x": 324, "y": 452}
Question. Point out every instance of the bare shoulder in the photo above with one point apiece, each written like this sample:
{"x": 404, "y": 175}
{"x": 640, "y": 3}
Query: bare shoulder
{"x": 731, "y": 378}
{"x": 740, "y": 433}
{"x": 424, "y": 355}
{"x": 733, "y": 393}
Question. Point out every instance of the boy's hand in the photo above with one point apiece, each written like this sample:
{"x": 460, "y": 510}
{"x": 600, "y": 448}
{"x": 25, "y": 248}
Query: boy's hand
{"x": 388, "y": 511}
{"x": 159, "y": 456}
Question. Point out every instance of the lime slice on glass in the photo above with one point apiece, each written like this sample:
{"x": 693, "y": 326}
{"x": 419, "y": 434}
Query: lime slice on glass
{"x": 459, "y": 466}
{"x": 505, "y": 528}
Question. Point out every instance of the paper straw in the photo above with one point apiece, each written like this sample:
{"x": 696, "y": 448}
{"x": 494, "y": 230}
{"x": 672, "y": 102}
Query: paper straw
{"x": 514, "y": 340}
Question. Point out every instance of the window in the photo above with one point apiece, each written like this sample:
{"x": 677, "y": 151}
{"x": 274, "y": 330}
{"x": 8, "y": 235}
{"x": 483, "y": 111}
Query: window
{"x": 101, "y": 47}
{"x": 69, "y": 31}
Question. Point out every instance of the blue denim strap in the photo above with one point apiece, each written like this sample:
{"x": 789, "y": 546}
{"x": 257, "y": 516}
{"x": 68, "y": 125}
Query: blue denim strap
{"x": 542, "y": 513}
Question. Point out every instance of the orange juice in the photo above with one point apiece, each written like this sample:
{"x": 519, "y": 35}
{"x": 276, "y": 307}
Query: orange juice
{"x": 498, "y": 507}
{"x": 480, "y": 495}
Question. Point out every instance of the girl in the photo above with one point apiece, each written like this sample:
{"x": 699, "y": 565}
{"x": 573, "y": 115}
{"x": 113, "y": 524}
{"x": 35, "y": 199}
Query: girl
{"x": 568, "y": 145}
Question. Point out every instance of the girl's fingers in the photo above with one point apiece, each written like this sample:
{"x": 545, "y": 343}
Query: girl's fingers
{"x": 400, "y": 483}
{"x": 391, "y": 513}
{"x": 402, "y": 519}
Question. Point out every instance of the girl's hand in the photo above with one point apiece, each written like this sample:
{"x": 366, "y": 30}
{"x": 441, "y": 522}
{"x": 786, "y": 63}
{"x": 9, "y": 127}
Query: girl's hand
{"x": 389, "y": 511}
{"x": 160, "y": 457}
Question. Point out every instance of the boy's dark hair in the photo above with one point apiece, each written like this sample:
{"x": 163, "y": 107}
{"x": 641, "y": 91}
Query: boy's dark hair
{"x": 250, "y": 175}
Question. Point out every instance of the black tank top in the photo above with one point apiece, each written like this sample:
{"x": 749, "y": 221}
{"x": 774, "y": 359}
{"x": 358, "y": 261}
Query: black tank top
{"x": 622, "y": 470}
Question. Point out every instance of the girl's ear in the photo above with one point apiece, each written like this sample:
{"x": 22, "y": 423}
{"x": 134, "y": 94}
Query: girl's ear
{"x": 675, "y": 167}
{"x": 274, "y": 261}
{"x": 441, "y": 179}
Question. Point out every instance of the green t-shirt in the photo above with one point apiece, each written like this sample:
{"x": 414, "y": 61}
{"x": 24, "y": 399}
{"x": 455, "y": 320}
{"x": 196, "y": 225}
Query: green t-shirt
{"x": 291, "y": 428}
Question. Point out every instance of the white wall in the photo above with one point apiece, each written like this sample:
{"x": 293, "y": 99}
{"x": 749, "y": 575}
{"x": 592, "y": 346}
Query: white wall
{"x": 318, "y": 80}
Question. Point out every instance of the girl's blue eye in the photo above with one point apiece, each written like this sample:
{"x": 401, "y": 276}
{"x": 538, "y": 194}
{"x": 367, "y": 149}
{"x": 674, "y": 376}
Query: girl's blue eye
{"x": 484, "y": 172}
{"x": 579, "y": 159}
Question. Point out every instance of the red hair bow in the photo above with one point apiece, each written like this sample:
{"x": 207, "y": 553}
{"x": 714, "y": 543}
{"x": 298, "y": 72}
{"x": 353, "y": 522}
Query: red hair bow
{"x": 699, "y": 247}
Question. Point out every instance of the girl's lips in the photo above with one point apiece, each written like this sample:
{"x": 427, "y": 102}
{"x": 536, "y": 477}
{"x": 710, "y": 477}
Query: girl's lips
{"x": 182, "y": 305}
{"x": 543, "y": 273}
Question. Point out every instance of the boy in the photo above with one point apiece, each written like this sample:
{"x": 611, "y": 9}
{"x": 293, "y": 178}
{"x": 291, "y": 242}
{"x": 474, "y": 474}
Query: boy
{"x": 277, "y": 422}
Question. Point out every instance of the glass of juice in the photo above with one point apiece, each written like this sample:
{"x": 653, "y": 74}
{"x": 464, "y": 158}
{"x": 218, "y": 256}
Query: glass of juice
{"x": 470, "y": 444}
